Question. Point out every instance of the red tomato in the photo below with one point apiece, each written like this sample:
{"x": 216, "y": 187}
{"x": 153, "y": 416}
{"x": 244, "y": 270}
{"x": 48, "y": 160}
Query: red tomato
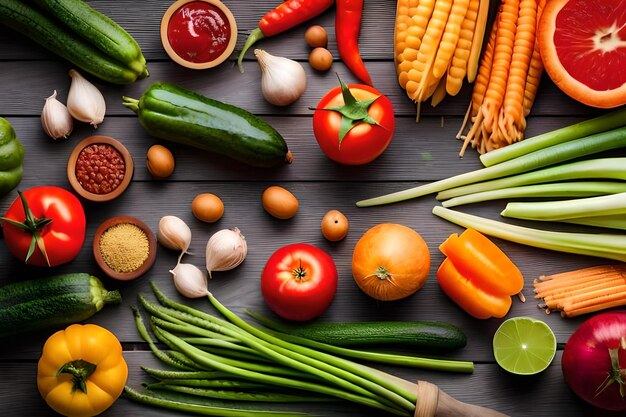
{"x": 56, "y": 222}
{"x": 364, "y": 142}
{"x": 299, "y": 282}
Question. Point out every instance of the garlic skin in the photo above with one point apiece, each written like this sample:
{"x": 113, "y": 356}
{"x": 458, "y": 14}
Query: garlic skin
{"x": 56, "y": 120}
{"x": 84, "y": 101}
{"x": 190, "y": 281}
{"x": 283, "y": 80}
{"x": 173, "y": 233}
{"x": 225, "y": 250}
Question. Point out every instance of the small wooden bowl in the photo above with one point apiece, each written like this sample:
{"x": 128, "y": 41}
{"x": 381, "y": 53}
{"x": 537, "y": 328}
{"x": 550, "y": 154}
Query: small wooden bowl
{"x": 71, "y": 169}
{"x": 152, "y": 248}
{"x": 198, "y": 65}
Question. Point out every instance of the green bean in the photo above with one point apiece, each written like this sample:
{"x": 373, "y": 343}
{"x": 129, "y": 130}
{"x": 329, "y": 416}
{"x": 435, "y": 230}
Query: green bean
{"x": 151, "y": 399}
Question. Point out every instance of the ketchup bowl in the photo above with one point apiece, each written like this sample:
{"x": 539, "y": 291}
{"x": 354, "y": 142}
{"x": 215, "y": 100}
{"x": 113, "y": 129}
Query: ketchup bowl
{"x": 198, "y": 34}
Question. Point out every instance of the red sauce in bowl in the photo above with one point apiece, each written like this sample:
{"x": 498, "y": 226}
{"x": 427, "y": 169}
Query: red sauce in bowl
{"x": 199, "y": 32}
{"x": 100, "y": 168}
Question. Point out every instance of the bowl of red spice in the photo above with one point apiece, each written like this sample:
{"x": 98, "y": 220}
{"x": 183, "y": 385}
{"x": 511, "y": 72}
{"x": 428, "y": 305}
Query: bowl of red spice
{"x": 124, "y": 247}
{"x": 198, "y": 34}
{"x": 100, "y": 168}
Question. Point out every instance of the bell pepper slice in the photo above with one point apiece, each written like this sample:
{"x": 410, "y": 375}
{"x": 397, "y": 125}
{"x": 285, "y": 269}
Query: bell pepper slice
{"x": 477, "y": 275}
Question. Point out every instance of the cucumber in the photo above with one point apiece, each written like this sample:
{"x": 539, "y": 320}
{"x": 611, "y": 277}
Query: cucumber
{"x": 170, "y": 112}
{"x": 54, "y": 37}
{"x": 99, "y": 30}
{"x": 426, "y": 335}
{"x": 28, "y": 306}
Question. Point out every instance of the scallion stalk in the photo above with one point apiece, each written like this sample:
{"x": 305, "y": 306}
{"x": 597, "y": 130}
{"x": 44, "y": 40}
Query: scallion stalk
{"x": 560, "y": 189}
{"x": 605, "y": 168}
{"x": 528, "y": 162}
{"x": 599, "y": 124}
{"x": 610, "y": 246}
{"x": 256, "y": 396}
{"x": 606, "y": 205}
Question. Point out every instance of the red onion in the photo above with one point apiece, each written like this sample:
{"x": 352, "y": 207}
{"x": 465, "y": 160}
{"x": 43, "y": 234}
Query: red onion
{"x": 594, "y": 361}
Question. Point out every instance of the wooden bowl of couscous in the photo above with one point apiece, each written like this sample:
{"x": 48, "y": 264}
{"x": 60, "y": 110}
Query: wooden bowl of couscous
{"x": 124, "y": 247}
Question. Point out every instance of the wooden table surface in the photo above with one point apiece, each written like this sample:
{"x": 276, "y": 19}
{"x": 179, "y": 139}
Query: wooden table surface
{"x": 419, "y": 153}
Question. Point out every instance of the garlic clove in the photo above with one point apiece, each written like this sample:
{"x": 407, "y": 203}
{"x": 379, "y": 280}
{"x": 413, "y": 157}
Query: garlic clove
{"x": 174, "y": 233}
{"x": 190, "y": 281}
{"x": 283, "y": 80}
{"x": 56, "y": 120}
{"x": 225, "y": 250}
{"x": 84, "y": 101}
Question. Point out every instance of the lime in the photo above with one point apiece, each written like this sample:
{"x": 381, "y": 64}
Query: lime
{"x": 524, "y": 346}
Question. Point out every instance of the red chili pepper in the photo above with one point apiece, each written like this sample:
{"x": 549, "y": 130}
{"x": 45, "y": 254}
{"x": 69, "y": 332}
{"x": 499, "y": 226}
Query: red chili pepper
{"x": 347, "y": 29}
{"x": 283, "y": 17}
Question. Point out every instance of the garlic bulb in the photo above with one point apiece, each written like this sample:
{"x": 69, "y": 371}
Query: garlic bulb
{"x": 84, "y": 101}
{"x": 190, "y": 281}
{"x": 283, "y": 80}
{"x": 173, "y": 233}
{"x": 56, "y": 120}
{"x": 225, "y": 250}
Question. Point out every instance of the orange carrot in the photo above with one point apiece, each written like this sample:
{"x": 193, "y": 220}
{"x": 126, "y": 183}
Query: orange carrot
{"x": 583, "y": 291}
{"x": 534, "y": 71}
{"x": 511, "y": 120}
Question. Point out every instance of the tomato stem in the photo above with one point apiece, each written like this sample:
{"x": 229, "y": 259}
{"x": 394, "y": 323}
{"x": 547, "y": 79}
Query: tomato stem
{"x": 33, "y": 225}
{"x": 614, "y": 375}
{"x": 300, "y": 272}
{"x": 80, "y": 371}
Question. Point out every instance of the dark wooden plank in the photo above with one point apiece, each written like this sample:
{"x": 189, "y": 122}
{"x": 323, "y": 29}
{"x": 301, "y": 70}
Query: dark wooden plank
{"x": 514, "y": 395}
{"x": 26, "y": 84}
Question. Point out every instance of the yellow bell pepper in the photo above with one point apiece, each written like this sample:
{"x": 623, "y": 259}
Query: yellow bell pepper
{"x": 81, "y": 371}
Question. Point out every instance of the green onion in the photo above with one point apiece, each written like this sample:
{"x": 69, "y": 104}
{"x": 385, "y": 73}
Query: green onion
{"x": 207, "y": 383}
{"x": 607, "y": 168}
{"x": 154, "y": 400}
{"x": 538, "y": 159}
{"x": 559, "y": 189}
{"x": 606, "y": 205}
{"x": 599, "y": 124}
{"x": 609, "y": 246}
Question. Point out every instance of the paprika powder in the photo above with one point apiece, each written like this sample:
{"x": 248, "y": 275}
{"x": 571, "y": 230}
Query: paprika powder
{"x": 477, "y": 275}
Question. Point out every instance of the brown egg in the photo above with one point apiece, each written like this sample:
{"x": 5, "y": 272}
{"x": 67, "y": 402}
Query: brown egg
{"x": 321, "y": 59}
{"x": 335, "y": 225}
{"x": 207, "y": 207}
{"x": 316, "y": 36}
{"x": 160, "y": 161}
{"x": 279, "y": 202}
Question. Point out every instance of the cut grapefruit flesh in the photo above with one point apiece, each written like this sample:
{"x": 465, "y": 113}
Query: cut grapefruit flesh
{"x": 583, "y": 48}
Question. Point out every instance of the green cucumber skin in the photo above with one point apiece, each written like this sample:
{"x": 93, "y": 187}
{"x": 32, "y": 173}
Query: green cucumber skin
{"x": 427, "y": 335}
{"x": 99, "y": 30}
{"x": 170, "y": 112}
{"x": 28, "y": 306}
{"x": 31, "y": 23}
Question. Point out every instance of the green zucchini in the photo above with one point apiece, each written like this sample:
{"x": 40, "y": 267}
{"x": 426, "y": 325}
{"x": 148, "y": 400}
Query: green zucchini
{"x": 425, "y": 335}
{"x": 54, "y": 37}
{"x": 170, "y": 112}
{"x": 99, "y": 30}
{"x": 32, "y": 305}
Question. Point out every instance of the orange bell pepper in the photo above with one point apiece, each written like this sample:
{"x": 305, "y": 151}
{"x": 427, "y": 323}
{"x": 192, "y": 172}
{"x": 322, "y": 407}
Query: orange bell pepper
{"x": 477, "y": 275}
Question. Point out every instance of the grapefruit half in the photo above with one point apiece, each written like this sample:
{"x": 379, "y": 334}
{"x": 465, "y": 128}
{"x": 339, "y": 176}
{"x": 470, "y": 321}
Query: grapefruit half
{"x": 583, "y": 48}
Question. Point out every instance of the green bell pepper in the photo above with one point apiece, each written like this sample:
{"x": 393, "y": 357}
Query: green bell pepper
{"x": 11, "y": 158}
